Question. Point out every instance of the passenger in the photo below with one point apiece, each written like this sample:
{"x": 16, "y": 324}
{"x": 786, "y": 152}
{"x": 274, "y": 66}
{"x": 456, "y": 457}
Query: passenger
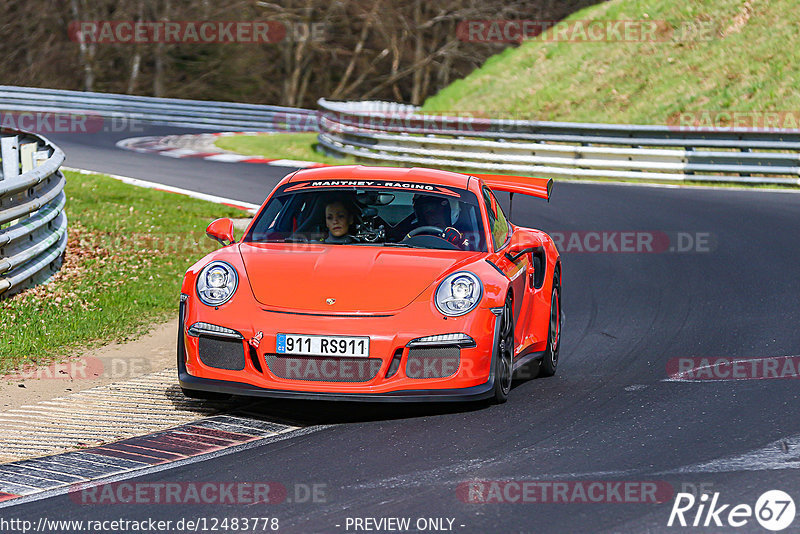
{"x": 339, "y": 221}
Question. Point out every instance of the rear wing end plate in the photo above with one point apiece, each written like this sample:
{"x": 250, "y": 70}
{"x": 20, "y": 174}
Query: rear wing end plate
{"x": 525, "y": 185}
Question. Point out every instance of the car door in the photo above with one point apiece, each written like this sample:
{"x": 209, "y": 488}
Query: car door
{"x": 501, "y": 234}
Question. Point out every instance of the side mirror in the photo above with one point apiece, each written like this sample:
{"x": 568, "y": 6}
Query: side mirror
{"x": 221, "y": 231}
{"x": 522, "y": 243}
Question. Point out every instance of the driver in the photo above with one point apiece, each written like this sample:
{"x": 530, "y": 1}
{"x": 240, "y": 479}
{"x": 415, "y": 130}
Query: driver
{"x": 432, "y": 211}
{"x": 435, "y": 211}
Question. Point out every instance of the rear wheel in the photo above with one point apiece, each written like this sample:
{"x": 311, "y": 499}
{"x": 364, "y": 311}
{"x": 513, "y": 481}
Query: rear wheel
{"x": 550, "y": 359}
{"x": 505, "y": 354}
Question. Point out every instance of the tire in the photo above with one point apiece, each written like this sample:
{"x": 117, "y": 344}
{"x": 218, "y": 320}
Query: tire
{"x": 505, "y": 354}
{"x": 550, "y": 359}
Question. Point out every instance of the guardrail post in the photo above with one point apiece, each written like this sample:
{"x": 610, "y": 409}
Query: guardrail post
{"x": 39, "y": 157}
{"x": 26, "y": 152}
{"x": 9, "y": 151}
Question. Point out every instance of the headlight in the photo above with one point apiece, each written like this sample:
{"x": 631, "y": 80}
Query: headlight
{"x": 216, "y": 283}
{"x": 458, "y": 294}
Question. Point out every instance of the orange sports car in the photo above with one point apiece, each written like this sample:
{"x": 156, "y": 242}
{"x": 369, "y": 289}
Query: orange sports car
{"x": 373, "y": 284}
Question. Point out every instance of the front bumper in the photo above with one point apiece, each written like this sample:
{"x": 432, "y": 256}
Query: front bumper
{"x": 473, "y": 393}
{"x": 473, "y": 381}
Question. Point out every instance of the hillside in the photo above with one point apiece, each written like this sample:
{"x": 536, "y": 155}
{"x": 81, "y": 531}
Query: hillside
{"x": 282, "y": 53}
{"x": 746, "y": 61}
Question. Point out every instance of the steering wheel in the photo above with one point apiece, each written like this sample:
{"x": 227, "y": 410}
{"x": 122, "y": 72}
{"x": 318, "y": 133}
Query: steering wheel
{"x": 425, "y": 230}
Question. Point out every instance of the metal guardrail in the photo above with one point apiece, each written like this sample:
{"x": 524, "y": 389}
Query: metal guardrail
{"x": 401, "y": 134}
{"x": 33, "y": 226}
{"x": 169, "y": 111}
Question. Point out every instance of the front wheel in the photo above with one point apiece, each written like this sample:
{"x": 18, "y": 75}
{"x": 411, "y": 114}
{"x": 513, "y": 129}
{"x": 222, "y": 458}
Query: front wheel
{"x": 550, "y": 359}
{"x": 505, "y": 354}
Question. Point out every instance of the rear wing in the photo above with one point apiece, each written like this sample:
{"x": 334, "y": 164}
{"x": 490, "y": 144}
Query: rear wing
{"x": 525, "y": 185}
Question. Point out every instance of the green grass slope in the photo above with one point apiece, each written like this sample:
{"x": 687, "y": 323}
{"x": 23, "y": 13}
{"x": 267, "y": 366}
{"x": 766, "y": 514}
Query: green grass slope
{"x": 748, "y": 62}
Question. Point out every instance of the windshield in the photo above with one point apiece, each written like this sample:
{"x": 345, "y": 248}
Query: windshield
{"x": 395, "y": 214}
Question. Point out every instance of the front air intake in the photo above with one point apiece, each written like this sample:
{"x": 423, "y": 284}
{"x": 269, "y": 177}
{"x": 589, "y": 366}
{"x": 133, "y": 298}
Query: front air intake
{"x": 222, "y": 353}
{"x": 322, "y": 368}
{"x": 432, "y": 362}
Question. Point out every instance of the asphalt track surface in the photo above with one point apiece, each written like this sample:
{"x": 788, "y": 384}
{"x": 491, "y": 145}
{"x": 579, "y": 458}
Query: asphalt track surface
{"x": 98, "y": 152}
{"x": 608, "y": 415}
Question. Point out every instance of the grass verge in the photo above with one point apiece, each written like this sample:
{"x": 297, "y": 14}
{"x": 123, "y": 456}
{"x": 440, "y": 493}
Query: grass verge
{"x": 127, "y": 251}
{"x": 299, "y": 146}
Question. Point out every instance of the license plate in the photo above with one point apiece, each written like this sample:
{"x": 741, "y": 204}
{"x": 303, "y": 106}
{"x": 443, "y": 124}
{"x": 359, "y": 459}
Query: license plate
{"x": 357, "y": 347}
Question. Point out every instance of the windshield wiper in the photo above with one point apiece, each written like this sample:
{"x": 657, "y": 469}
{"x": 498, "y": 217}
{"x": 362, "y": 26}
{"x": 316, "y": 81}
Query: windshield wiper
{"x": 281, "y": 240}
{"x": 404, "y": 245}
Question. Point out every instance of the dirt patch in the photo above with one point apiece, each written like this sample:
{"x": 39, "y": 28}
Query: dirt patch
{"x": 117, "y": 362}
{"x": 740, "y": 20}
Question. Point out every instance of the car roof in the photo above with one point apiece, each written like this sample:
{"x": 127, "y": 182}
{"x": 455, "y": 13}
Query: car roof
{"x": 361, "y": 172}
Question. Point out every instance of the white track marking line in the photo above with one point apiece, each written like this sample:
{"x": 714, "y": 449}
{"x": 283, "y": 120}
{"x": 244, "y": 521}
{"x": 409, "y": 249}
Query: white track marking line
{"x": 681, "y": 377}
{"x": 778, "y": 455}
{"x": 227, "y": 158}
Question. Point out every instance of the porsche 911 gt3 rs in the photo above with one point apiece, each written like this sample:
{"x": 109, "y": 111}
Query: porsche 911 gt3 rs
{"x": 375, "y": 284}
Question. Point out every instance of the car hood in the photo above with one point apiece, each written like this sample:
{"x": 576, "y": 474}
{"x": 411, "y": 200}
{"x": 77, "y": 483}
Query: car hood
{"x": 360, "y": 279}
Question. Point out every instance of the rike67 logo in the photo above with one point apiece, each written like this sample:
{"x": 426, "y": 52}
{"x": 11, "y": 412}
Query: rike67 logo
{"x": 774, "y": 510}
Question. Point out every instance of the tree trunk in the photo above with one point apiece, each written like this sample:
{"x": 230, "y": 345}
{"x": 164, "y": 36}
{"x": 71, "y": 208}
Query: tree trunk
{"x": 419, "y": 52}
{"x": 86, "y": 52}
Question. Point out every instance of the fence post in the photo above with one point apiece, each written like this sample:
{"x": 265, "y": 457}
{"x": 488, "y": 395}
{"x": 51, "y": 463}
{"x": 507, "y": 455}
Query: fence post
{"x": 9, "y": 151}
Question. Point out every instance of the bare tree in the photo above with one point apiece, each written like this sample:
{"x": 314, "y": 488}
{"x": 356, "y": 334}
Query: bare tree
{"x": 403, "y": 50}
